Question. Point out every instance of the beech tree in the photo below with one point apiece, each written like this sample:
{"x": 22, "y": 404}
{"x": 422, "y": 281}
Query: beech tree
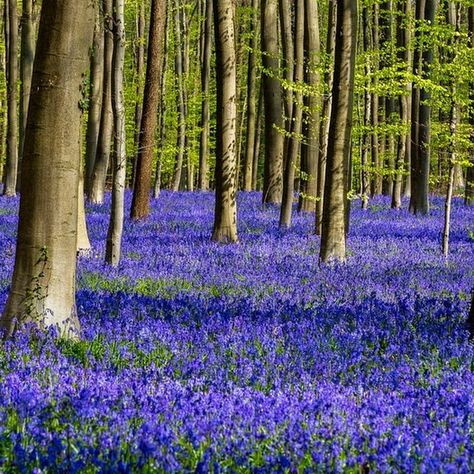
{"x": 141, "y": 193}
{"x": 333, "y": 237}
{"x": 274, "y": 141}
{"x": 225, "y": 217}
{"x": 43, "y": 283}
{"x": 11, "y": 165}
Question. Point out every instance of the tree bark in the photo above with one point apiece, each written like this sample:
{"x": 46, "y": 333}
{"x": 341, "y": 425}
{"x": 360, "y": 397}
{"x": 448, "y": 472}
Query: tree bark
{"x": 225, "y": 217}
{"x": 274, "y": 140}
{"x": 139, "y": 67}
{"x": 179, "y": 73}
{"x": 99, "y": 174}
{"x": 151, "y": 99}
{"x": 421, "y": 118}
{"x": 469, "y": 191}
{"x": 296, "y": 119}
{"x": 43, "y": 284}
{"x": 310, "y": 146}
{"x": 11, "y": 168}
{"x": 95, "y": 100}
{"x": 252, "y": 99}
{"x": 205, "y": 113}
{"x": 325, "y": 115}
{"x": 333, "y": 237}
{"x": 26, "y": 70}
{"x": 119, "y": 163}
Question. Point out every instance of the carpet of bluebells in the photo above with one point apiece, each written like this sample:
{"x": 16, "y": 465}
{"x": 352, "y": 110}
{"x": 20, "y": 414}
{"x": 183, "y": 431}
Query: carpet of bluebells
{"x": 199, "y": 357}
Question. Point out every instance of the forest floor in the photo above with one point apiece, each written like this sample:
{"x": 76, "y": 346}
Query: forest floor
{"x": 250, "y": 357}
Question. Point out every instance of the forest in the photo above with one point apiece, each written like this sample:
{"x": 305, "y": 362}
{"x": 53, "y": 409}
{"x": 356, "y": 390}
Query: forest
{"x": 236, "y": 236}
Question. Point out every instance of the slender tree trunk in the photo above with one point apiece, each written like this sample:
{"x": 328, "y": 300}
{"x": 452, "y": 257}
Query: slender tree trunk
{"x": 43, "y": 285}
{"x": 333, "y": 238}
{"x": 119, "y": 163}
{"x": 252, "y": 92}
{"x": 469, "y": 192}
{"x": 326, "y": 115}
{"x": 205, "y": 113}
{"x": 179, "y": 72}
{"x": 403, "y": 53}
{"x": 11, "y": 168}
{"x": 297, "y": 119}
{"x": 225, "y": 217}
{"x": 470, "y": 319}
{"x": 454, "y": 20}
{"x": 258, "y": 131}
{"x": 95, "y": 100}
{"x": 274, "y": 141}
{"x": 151, "y": 99}
{"x": 421, "y": 119}
{"x": 162, "y": 110}
{"x": 26, "y": 70}
{"x": 366, "y": 140}
{"x": 99, "y": 174}
{"x": 310, "y": 147}
{"x": 287, "y": 42}
{"x": 139, "y": 68}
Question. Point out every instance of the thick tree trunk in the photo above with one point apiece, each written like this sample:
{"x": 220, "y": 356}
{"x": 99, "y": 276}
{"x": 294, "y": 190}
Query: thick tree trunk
{"x": 205, "y": 113}
{"x": 99, "y": 174}
{"x": 225, "y": 217}
{"x": 119, "y": 162}
{"x": 95, "y": 100}
{"x": 11, "y": 168}
{"x": 310, "y": 146}
{"x": 26, "y": 70}
{"x": 43, "y": 285}
{"x": 252, "y": 99}
{"x": 325, "y": 115}
{"x": 83, "y": 242}
{"x": 274, "y": 140}
{"x": 333, "y": 237}
{"x": 151, "y": 99}
{"x": 297, "y": 119}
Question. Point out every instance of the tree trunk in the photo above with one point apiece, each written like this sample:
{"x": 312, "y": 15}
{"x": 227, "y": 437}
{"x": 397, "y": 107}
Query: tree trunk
{"x": 179, "y": 73}
{"x": 421, "y": 119}
{"x": 252, "y": 99}
{"x": 258, "y": 136}
{"x": 151, "y": 99}
{"x": 225, "y": 217}
{"x": 366, "y": 139}
{"x": 26, "y": 70}
{"x": 297, "y": 118}
{"x": 469, "y": 192}
{"x": 205, "y": 114}
{"x": 310, "y": 147}
{"x": 403, "y": 54}
{"x": 83, "y": 242}
{"x": 95, "y": 100}
{"x": 11, "y": 168}
{"x": 99, "y": 174}
{"x": 43, "y": 285}
{"x": 274, "y": 140}
{"x": 119, "y": 162}
{"x": 139, "y": 67}
{"x": 333, "y": 237}
{"x": 326, "y": 115}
